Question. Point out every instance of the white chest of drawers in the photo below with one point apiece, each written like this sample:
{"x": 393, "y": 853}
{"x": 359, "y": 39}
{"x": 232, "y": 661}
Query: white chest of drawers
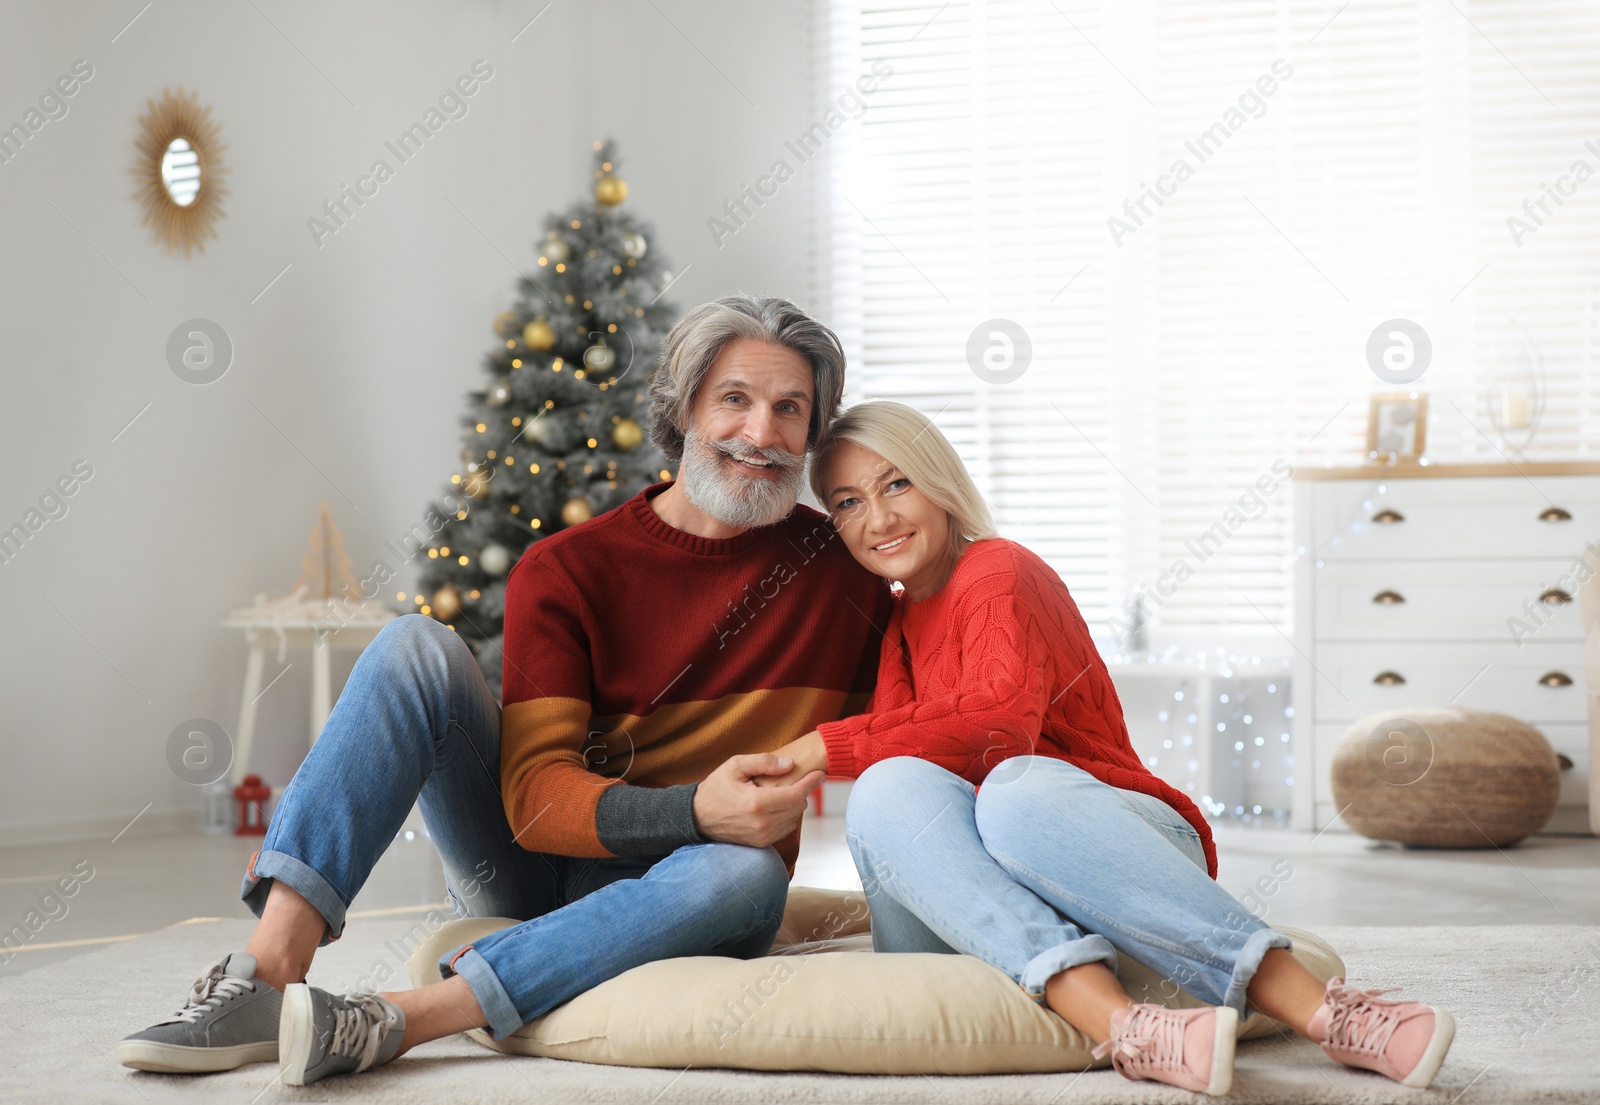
{"x": 1441, "y": 585}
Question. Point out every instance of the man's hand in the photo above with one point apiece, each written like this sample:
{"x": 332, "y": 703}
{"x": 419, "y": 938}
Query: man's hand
{"x": 729, "y": 805}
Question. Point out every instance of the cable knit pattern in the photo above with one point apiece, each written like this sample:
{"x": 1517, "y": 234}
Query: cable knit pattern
{"x": 998, "y": 663}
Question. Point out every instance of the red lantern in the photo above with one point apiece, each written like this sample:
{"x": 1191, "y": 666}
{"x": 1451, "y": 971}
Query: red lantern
{"x": 251, "y": 795}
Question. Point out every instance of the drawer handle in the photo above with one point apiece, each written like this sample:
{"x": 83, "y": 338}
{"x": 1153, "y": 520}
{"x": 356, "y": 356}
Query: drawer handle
{"x": 1394, "y": 598}
{"x": 1564, "y": 760}
{"x": 1388, "y": 517}
{"x": 1554, "y": 514}
{"x": 1556, "y": 679}
{"x": 1555, "y": 597}
{"x": 1388, "y": 679}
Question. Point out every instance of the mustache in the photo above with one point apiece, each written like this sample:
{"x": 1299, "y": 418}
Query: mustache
{"x": 740, "y": 449}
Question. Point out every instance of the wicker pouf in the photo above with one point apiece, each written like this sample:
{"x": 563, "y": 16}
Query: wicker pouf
{"x": 1445, "y": 778}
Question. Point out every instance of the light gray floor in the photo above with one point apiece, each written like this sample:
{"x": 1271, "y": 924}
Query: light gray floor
{"x": 142, "y": 883}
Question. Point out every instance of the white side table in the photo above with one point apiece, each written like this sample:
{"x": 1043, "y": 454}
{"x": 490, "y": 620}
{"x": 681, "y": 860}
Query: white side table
{"x": 263, "y": 626}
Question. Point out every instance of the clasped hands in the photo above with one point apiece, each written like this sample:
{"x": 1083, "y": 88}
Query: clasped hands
{"x": 758, "y": 799}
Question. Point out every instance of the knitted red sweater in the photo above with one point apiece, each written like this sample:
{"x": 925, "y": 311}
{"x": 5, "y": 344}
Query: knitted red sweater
{"x": 997, "y": 663}
{"x": 639, "y": 657}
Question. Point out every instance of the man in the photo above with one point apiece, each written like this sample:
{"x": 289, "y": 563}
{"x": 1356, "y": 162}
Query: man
{"x": 652, "y": 656}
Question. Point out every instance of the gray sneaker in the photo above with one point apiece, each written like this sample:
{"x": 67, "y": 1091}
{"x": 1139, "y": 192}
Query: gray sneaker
{"x": 321, "y": 1033}
{"x": 231, "y": 1019}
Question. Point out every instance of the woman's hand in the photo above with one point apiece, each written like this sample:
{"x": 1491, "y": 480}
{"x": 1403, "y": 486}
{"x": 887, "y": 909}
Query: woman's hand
{"x": 809, "y": 754}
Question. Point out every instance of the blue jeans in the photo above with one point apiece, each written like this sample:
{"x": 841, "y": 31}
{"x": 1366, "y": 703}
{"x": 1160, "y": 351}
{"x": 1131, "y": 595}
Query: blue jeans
{"x": 1043, "y": 868}
{"x": 416, "y": 724}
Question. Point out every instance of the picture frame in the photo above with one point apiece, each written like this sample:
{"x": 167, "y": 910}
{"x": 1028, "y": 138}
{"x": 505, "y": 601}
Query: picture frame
{"x": 1397, "y": 427}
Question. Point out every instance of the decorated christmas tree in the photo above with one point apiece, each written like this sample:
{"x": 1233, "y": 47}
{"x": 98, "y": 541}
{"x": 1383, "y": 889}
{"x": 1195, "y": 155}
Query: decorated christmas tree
{"x": 557, "y": 435}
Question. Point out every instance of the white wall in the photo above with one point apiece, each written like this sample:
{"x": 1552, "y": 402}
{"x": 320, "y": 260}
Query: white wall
{"x": 360, "y": 353}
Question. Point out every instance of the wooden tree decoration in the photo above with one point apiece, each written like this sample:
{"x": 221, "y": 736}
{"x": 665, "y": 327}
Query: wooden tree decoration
{"x": 326, "y": 569}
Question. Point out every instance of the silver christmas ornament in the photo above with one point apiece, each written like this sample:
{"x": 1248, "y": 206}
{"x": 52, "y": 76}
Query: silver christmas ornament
{"x": 537, "y": 431}
{"x": 557, "y": 250}
{"x": 495, "y": 559}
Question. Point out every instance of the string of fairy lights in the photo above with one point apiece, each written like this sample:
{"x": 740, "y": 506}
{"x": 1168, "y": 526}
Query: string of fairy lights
{"x": 1250, "y": 745}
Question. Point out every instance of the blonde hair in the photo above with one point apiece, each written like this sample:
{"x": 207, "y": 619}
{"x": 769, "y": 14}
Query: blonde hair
{"x": 908, "y": 439}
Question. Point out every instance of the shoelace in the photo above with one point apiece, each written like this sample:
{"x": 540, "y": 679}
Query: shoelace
{"x": 360, "y": 1025}
{"x": 210, "y": 990}
{"x": 1361, "y": 1021}
{"x": 1147, "y": 1041}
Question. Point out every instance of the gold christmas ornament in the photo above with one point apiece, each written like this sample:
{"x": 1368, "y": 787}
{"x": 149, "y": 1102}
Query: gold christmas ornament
{"x": 627, "y": 434}
{"x": 610, "y": 190}
{"x": 576, "y": 511}
{"x": 597, "y": 358}
{"x": 446, "y": 603}
{"x": 499, "y": 394}
{"x": 505, "y": 325}
{"x": 477, "y": 482}
{"x": 634, "y": 245}
{"x": 538, "y": 336}
{"x": 556, "y": 250}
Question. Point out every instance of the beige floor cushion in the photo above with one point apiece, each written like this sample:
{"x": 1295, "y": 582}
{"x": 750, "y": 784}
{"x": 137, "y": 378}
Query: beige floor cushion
{"x": 822, "y": 1001}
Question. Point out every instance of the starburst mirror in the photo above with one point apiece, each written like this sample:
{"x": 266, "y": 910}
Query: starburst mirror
{"x": 179, "y": 171}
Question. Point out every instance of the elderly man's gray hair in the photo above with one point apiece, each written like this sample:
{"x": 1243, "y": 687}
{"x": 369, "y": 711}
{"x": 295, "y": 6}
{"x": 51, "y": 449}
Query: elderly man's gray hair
{"x": 700, "y": 336}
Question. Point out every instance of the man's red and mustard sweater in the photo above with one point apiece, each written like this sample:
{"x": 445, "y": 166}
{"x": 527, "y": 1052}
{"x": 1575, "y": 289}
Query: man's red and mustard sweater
{"x": 639, "y": 657}
{"x": 998, "y": 663}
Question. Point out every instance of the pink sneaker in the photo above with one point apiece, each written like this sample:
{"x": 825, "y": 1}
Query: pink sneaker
{"x": 1402, "y": 1040}
{"x": 1188, "y": 1048}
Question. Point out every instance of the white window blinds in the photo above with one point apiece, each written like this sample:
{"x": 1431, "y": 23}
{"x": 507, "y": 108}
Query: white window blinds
{"x": 1199, "y": 212}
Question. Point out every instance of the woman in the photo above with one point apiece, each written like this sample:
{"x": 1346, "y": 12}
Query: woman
{"x": 1071, "y": 851}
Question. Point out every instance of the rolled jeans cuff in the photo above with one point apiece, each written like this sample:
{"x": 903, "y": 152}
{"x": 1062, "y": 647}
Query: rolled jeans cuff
{"x": 299, "y": 878}
{"x": 492, "y": 997}
{"x": 1089, "y": 948}
{"x": 1249, "y": 960}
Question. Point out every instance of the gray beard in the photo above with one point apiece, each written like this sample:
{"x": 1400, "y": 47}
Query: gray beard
{"x": 733, "y": 499}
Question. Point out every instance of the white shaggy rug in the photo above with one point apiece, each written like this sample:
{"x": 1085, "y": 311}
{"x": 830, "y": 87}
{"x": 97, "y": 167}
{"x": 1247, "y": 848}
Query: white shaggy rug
{"x": 1526, "y": 1001}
